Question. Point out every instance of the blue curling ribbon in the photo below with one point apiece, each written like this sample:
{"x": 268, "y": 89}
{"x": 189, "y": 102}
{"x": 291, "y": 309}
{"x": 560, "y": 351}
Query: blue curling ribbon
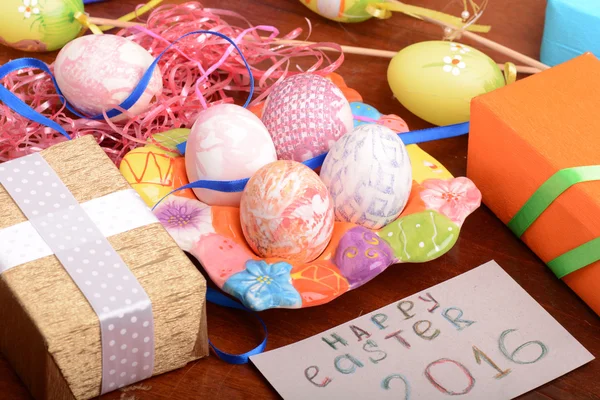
{"x": 92, "y": 1}
{"x": 18, "y": 106}
{"x": 412, "y": 137}
{"x": 181, "y": 147}
{"x": 436, "y": 133}
{"x": 220, "y": 299}
{"x": 23, "y": 109}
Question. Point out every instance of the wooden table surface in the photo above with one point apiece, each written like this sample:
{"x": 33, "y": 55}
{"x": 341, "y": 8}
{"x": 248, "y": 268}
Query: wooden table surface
{"x": 517, "y": 24}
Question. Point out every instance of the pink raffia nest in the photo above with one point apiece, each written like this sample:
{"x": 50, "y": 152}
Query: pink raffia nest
{"x": 201, "y": 70}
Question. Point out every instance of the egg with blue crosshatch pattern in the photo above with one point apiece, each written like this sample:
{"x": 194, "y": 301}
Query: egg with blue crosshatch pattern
{"x": 369, "y": 176}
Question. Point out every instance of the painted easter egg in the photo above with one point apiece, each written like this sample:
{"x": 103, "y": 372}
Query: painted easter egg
{"x": 420, "y": 237}
{"x": 361, "y": 255}
{"x": 286, "y": 211}
{"x": 227, "y": 142}
{"x": 39, "y": 25}
{"x": 154, "y": 173}
{"x": 369, "y": 176}
{"x": 305, "y": 114}
{"x": 436, "y": 80}
{"x": 364, "y": 113}
{"x": 393, "y": 122}
{"x": 97, "y": 72}
{"x": 341, "y": 10}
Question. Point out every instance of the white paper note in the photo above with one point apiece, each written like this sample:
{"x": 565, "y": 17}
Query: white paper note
{"x": 476, "y": 336}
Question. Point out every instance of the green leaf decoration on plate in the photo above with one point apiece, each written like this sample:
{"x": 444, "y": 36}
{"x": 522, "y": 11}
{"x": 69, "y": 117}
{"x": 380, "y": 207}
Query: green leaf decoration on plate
{"x": 420, "y": 237}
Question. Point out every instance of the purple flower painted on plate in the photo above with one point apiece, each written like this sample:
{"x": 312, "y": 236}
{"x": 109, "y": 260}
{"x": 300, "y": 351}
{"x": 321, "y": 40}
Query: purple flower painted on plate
{"x": 186, "y": 220}
{"x": 361, "y": 255}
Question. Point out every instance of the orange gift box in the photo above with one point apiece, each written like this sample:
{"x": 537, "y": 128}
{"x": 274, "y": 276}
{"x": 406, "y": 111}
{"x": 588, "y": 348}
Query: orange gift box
{"x": 525, "y": 132}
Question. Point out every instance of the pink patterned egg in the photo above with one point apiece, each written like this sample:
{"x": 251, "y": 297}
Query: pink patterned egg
{"x": 287, "y": 212}
{"x": 227, "y": 142}
{"x": 305, "y": 115}
{"x": 98, "y": 72}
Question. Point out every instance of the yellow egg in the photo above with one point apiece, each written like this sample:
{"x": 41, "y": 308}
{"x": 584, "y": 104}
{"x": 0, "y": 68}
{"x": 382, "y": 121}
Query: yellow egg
{"x": 341, "y": 10}
{"x": 154, "y": 173}
{"x": 39, "y": 25}
{"x": 436, "y": 80}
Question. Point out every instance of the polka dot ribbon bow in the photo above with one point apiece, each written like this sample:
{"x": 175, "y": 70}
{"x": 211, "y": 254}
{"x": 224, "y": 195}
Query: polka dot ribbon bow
{"x": 77, "y": 235}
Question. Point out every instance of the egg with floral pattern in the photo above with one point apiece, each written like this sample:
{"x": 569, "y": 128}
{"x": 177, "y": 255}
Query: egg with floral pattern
{"x": 436, "y": 80}
{"x": 95, "y": 73}
{"x": 305, "y": 114}
{"x": 287, "y": 212}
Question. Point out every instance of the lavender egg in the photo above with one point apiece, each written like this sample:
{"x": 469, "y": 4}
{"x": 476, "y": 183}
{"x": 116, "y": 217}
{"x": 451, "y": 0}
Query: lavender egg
{"x": 369, "y": 176}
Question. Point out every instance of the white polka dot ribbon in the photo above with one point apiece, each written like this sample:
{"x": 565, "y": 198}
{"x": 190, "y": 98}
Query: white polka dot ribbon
{"x": 123, "y": 307}
{"x": 113, "y": 213}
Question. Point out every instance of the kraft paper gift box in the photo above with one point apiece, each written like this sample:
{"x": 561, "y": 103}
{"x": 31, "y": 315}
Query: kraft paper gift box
{"x": 523, "y": 134}
{"x": 571, "y": 28}
{"x": 49, "y": 331}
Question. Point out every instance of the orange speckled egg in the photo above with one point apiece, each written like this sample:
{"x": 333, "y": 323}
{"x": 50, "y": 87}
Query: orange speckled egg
{"x": 286, "y": 211}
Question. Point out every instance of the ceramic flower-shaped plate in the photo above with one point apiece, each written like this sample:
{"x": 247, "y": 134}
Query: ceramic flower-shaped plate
{"x": 428, "y": 227}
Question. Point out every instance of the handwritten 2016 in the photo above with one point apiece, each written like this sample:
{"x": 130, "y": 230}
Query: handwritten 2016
{"x": 420, "y": 329}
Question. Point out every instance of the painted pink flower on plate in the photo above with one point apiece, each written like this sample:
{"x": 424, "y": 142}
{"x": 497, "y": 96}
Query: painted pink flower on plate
{"x": 186, "y": 220}
{"x": 455, "y": 198}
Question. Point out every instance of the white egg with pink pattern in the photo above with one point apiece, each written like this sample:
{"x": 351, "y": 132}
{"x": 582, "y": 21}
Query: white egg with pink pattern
{"x": 227, "y": 142}
{"x": 95, "y": 73}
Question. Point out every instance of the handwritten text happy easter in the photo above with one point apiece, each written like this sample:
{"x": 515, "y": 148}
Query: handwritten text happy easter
{"x": 416, "y": 329}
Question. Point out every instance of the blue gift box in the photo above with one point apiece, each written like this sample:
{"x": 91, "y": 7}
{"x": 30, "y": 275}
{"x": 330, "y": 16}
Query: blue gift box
{"x": 572, "y": 28}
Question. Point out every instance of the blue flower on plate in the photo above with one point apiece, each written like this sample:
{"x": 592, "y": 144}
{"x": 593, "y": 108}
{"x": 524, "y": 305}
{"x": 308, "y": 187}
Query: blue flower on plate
{"x": 261, "y": 286}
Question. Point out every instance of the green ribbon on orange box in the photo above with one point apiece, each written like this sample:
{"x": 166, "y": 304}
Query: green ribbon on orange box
{"x": 550, "y": 190}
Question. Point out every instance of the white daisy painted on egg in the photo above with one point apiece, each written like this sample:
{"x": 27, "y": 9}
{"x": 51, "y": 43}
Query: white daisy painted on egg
{"x": 459, "y": 47}
{"x": 29, "y": 7}
{"x": 454, "y": 64}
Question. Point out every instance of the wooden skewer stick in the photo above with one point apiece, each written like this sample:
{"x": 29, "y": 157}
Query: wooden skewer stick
{"x": 523, "y": 69}
{"x": 384, "y": 53}
{"x": 113, "y": 22}
{"x": 492, "y": 45}
{"x": 347, "y": 49}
